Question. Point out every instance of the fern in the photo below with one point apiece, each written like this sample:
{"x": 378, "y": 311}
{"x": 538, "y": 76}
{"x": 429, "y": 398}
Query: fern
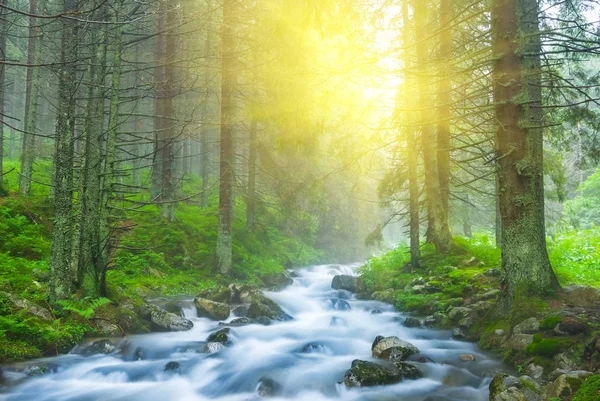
{"x": 84, "y": 308}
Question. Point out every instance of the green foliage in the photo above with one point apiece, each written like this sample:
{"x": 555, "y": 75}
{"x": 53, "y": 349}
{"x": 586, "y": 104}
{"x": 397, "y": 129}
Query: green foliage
{"x": 589, "y": 390}
{"x": 575, "y": 256}
{"x": 85, "y": 307}
{"x": 584, "y": 210}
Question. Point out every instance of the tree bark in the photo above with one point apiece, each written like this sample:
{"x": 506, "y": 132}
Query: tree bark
{"x": 412, "y": 150}
{"x": 3, "y": 33}
{"x": 224, "y": 234}
{"x": 204, "y": 135}
{"x": 444, "y": 102}
{"x": 31, "y": 103}
{"x": 516, "y": 43}
{"x": 438, "y": 232}
{"x": 61, "y": 271}
{"x": 251, "y": 196}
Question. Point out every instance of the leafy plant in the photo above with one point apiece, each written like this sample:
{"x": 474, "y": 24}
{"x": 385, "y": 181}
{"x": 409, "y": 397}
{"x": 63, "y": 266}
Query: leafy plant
{"x": 85, "y": 307}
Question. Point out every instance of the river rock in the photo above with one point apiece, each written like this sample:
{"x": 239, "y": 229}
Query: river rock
{"x": 457, "y": 313}
{"x": 459, "y": 334}
{"x": 213, "y": 347}
{"x": 165, "y": 321}
{"x": 519, "y": 342}
{"x": 223, "y": 336}
{"x": 104, "y": 346}
{"x": 211, "y": 309}
{"x": 339, "y": 304}
{"x": 411, "y": 322}
{"x": 240, "y": 311}
{"x": 268, "y": 387}
{"x": 276, "y": 280}
{"x": 509, "y": 388}
{"x": 345, "y": 282}
{"x": 220, "y": 294}
{"x": 172, "y": 367}
{"x": 240, "y": 321}
{"x": 582, "y": 297}
{"x": 562, "y": 361}
{"x": 262, "y": 306}
{"x": 364, "y": 374}
{"x": 566, "y": 385}
{"x": 408, "y": 371}
{"x": 528, "y": 326}
{"x": 392, "y": 348}
{"x": 535, "y": 371}
{"x": 572, "y": 326}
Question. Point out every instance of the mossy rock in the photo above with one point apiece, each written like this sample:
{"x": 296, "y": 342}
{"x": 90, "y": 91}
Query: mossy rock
{"x": 550, "y": 322}
{"x": 365, "y": 374}
{"x": 218, "y": 294}
{"x": 547, "y": 347}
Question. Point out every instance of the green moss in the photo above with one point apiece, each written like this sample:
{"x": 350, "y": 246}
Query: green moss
{"x": 548, "y": 347}
{"x": 590, "y": 390}
{"x": 550, "y": 322}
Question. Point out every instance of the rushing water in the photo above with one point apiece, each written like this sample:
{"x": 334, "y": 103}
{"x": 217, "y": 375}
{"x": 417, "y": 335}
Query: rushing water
{"x": 306, "y": 356}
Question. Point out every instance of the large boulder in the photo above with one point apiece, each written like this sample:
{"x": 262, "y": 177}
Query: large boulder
{"x": 566, "y": 385}
{"x": 211, "y": 309}
{"x": 162, "y": 320}
{"x": 392, "y": 348}
{"x": 217, "y": 294}
{"x": 582, "y": 297}
{"x": 276, "y": 280}
{"x": 28, "y": 306}
{"x": 262, "y": 306}
{"x": 348, "y": 283}
{"x": 509, "y": 388}
{"x": 364, "y": 374}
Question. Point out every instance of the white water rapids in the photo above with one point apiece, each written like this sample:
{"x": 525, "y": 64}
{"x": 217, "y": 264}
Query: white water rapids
{"x": 278, "y": 352}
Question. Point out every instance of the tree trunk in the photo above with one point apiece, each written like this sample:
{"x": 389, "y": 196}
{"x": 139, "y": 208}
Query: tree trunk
{"x": 31, "y": 103}
{"x": 110, "y": 165}
{"x": 61, "y": 271}
{"x": 224, "y": 234}
{"x": 438, "y": 232}
{"x": 251, "y": 196}
{"x": 516, "y": 43}
{"x": 204, "y": 135}
{"x": 444, "y": 102}
{"x": 3, "y": 33}
{"x": 412, "y": 149}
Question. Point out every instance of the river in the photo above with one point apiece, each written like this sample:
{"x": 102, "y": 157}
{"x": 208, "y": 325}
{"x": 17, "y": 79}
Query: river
{"x": 307, "y": 357}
